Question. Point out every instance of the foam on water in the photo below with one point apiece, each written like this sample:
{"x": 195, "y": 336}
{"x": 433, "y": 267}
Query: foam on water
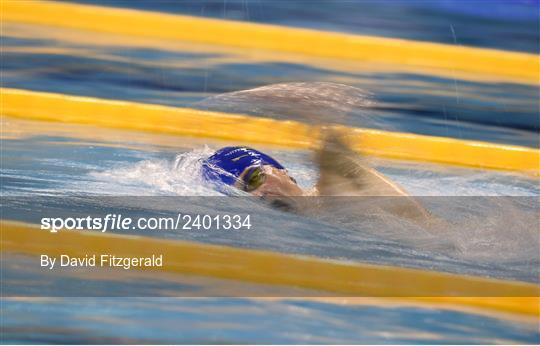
{"x": 158, "y": 176}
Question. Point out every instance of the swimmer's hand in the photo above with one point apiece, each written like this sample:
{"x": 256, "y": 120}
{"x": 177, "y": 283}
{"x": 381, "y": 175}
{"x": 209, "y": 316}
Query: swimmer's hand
{"x": 343, "y": 172}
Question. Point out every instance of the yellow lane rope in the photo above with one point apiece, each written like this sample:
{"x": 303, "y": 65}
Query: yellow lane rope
{"x": 269, "y": 268}
{"x": 508, "y": 66}
{"x": 190, "y": 122}
{"x": 87, "y": 41}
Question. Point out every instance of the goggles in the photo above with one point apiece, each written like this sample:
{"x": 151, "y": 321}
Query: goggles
{"x": 253, "y": 178}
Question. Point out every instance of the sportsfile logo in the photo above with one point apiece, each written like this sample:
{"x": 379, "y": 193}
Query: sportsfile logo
{"x": 117, "y": 222}
{"x": 109, "y": 222}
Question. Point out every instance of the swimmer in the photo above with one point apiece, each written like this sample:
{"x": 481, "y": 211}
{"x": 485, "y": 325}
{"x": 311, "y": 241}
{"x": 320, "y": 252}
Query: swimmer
{"x": 342, "y": 172}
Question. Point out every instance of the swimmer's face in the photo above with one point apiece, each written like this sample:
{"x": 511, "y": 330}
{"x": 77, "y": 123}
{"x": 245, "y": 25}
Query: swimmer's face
{"x": 268, "y": 181}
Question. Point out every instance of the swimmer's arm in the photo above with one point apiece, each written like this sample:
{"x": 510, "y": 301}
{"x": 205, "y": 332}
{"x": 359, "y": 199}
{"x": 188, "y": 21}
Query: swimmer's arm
{"x": 344, "y": 172}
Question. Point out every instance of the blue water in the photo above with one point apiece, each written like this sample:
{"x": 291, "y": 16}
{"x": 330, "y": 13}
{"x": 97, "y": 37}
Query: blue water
{"x": 503, "y": 24}
{"x": 238, "y": 321}
{"x": 41, "y": 159}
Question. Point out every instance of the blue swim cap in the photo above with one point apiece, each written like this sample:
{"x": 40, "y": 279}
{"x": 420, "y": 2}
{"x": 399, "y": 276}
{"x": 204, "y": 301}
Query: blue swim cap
{"x": 228, "y": 163}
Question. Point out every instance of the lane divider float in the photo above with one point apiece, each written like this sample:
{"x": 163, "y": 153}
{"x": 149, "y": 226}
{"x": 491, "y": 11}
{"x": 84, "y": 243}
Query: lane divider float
{"x": 507, "y": 66}
{"x": 270, "y": 268}
{"x": 126, "y": 115}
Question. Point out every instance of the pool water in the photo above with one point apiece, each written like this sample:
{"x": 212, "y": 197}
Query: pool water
{"x": 44, "y": 162}
{"x": 52, "y": 164}
{"x": 208, "y": 321}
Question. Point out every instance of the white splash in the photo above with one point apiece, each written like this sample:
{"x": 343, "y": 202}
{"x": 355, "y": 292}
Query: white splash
{"x": 181, "y": 176}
